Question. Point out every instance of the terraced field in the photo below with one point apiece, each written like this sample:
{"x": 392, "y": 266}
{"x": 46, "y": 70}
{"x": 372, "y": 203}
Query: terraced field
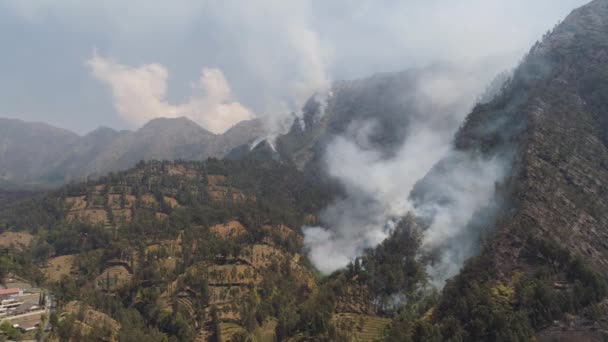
{"x": 229, "y": 230}
{"x": 59, "y": 267}
{"x": 19, "y": 240}
{"x": 361, "y": 328}
{"x": 114, "y": 277}
{"x": 227, "y": 330}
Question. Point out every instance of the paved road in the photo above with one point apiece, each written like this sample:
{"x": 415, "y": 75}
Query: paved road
{"x": 50, "y": 308}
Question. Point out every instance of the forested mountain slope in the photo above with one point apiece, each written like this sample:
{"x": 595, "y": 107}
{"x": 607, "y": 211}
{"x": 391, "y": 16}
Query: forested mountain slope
{"x": 195, "y": 249}
{"x": 541, "y": 269}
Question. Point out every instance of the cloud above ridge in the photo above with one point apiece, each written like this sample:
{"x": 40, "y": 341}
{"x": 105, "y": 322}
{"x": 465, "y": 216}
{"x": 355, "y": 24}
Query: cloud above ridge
{"x": 139, "y": 95}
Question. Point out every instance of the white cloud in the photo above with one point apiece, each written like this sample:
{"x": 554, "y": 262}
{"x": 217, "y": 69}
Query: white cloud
{"x": 139, "y": 95}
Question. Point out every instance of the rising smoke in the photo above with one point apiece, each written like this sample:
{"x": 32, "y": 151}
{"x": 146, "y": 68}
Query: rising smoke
{"x": 458, "y": 200}
{"x": 377, "y": 188}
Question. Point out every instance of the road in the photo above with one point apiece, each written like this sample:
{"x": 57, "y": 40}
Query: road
{"x": 50, "y": 309}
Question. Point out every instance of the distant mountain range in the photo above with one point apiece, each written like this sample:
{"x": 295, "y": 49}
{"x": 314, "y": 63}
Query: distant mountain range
{"x": 36, "y": 154}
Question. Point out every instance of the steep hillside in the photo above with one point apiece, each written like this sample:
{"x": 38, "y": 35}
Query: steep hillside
{"x": 561, "y": 183}
{"x": 40, "y": 155}
{"x": 506, "y": 240}
{"x": 160, "y": 139}
{"x": 541, "y": 271}
{"x": 196, "y": 249}
{"x": 200, "y": 251}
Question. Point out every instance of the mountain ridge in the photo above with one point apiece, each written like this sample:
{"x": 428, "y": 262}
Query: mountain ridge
{"x": 540, "y": 272}
{"x": 37, "y": 154}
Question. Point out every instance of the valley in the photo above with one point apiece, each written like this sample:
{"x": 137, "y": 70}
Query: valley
{"x": 384, "y": 212}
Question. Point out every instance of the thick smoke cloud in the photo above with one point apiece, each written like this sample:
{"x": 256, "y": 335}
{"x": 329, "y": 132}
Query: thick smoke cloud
{"x": 139, "y": 95}
{"x": 376, "y": 193}
{"x": 459, "y": 201}
{"x": 453, "y": 192}
{"x": 461, "y": 191}
{"x": 377, "y": 188}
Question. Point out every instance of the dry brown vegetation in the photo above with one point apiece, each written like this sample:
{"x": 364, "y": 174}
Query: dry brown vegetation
{"x": 233, "y": 274}
{"x": 222, "y": 194}
{"x": 148, "y": 200}
{"x": 122, "y": 215}
{"x": 229, "y": 230}
{"x": 359, "y": 327}
{"x": 115, "y": 201}
{"x": 89, "y": 319}
{"x": 59, "y": 267}
{"x": 281, "y": 231}
{"x": 182, "y": 171}
{"x": 171, "y": 247}
{"x": 99, "y": 189}
{"x": 92, "y": 216}
{"x": 228, "y": 330}
{"x": 19, "y": 240}
{"x": 353, "y": 300}
{"x": 262, "y": 256}
{"x": 114, "y": 277}
{"x": 225, "y": 294}
{"x": 310, "y": 219}
{"x": 171, "y": 202}
{"x": 76, "y": 203}
{"x": 216, "y": 180}
{"x": 161, "y": 216}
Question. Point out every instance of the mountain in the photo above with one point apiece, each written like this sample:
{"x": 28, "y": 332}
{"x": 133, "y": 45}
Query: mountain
{"x": 197, "y": 247}
{"x": 26, "y": 150}
{"x": 540, "y": 273}
{"x": 41, "y": 155}
{"x": 387, "y": 106}
{"x": 506, "y": 240}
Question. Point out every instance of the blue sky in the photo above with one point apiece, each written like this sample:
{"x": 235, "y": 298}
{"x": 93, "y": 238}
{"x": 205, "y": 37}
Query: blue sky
{"x": 82, "y": 64}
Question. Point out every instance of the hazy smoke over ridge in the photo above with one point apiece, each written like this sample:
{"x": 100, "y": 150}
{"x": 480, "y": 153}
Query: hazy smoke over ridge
{"x": 378, "y": 189}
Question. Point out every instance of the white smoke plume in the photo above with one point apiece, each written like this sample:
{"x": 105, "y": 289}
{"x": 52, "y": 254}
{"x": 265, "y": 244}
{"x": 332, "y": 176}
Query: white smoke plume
{"x": 272, "y": 37}
{"x": 378, "y": 189}
{"x": 458, "y": 202}
{"x": 376, "y": 194}
{"x": 139, "y": 95}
